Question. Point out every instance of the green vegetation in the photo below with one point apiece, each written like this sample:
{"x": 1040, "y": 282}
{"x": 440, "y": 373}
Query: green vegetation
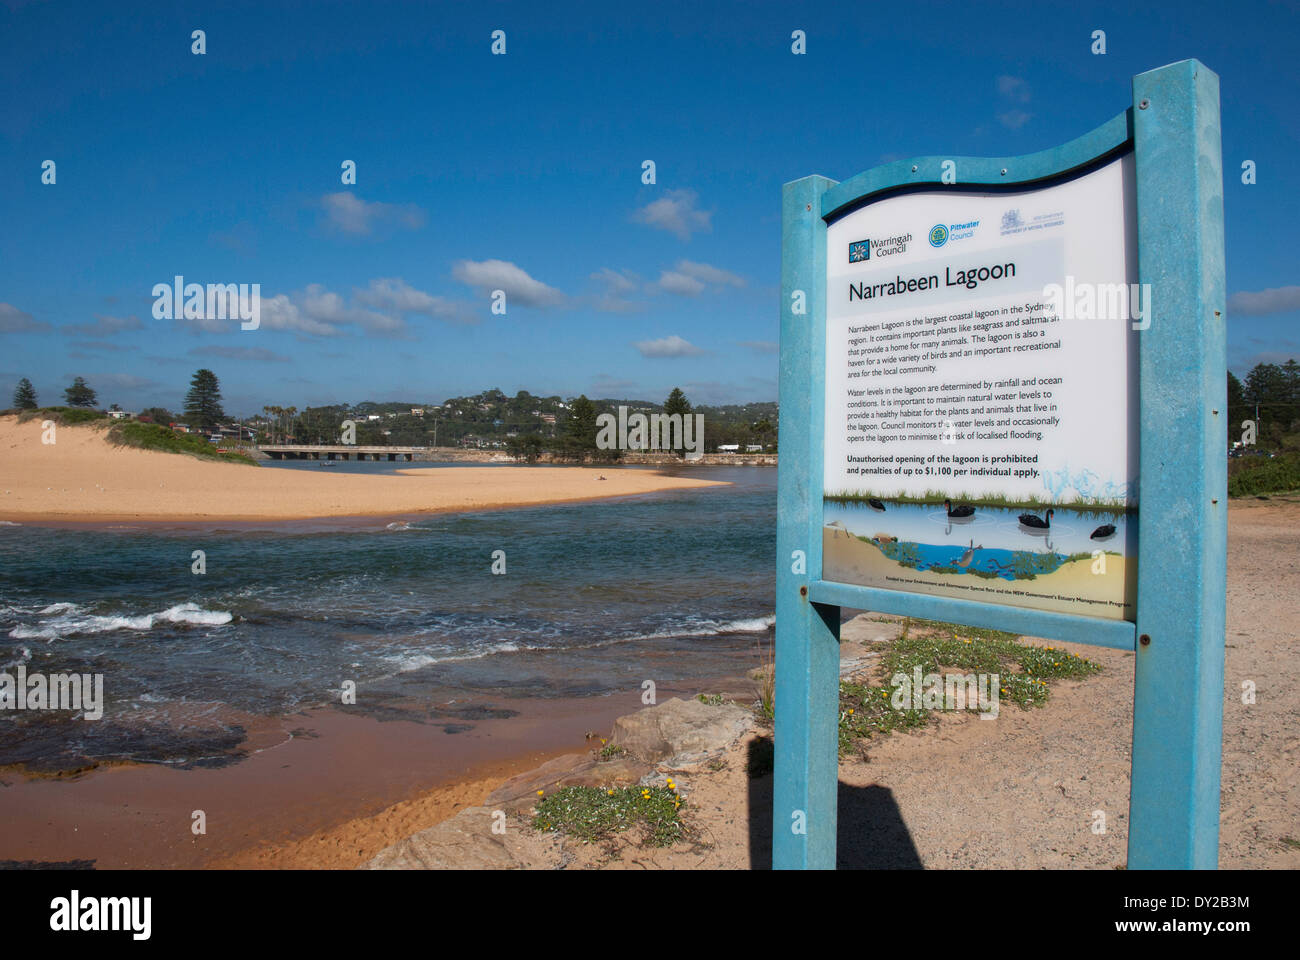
{"x": 151, "y": 436}
{"x": 592, "y": 813}
{"x": 1024, "y": 672}
{"x": 713, "y": 699}
{"x": 610, "y": 752}
{"x": 79, "y": 394}
{"x": 63, "y": 416}
{"x": 25, "y": 395}
{"x": 203, "y": 402}
{"x": 525, "y": 425}
{"x": 1264, "y": 418}
{"x": 1254, "y": 476}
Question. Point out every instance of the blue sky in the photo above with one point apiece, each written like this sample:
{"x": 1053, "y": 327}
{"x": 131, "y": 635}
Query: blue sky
{"x": 523, "y": 172}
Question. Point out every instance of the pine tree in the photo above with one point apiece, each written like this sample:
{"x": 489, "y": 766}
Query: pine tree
{"x": 580, "y": 429}
{"x": 203, "y": 402}
{"x": 25, "y": 395}
{"x": 677, "y": 403}
{"x": 79, "y": 394}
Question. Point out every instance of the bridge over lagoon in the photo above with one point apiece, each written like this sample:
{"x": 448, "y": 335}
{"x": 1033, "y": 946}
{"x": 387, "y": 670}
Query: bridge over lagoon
{"x": 318, "y": 451}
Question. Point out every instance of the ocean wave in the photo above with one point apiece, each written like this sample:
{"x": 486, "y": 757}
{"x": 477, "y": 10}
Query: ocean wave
{"x": 67, "y": 619}
{"x": 707, "y": 628}
{"x": 405, "y": 663}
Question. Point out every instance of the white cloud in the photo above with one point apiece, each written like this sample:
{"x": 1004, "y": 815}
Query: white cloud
{"x": 1262, "y": 302}
{"x": 253, "y": 354}
{"x": 614, "y": 285}
{"x": 674, "y": 281}
{"x": 761, "y": 346}
{"x": 394, "y": 293}
{"x": 281, "y": 313}
{"x": 676, "y": 212}
{"x": 519, "y": 287}
{"x": 1013, "y": 88}
{"x": 105, "y": 326}
{"x": 13, "y": 320}
{"x": 348, "y": 213}
{"x": 690, "y": 279}
{"x": 673, "y": 346}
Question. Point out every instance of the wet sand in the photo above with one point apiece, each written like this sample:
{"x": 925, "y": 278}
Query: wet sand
{"x": 326, "y": 788}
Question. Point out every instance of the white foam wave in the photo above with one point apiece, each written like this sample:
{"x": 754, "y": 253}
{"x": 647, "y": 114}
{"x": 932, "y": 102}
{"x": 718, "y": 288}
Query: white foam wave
{"x": 66, "y": 619}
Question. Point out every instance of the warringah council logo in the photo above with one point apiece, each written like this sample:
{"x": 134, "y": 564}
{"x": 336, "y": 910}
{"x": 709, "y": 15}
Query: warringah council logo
{"x": 888, "y": 247}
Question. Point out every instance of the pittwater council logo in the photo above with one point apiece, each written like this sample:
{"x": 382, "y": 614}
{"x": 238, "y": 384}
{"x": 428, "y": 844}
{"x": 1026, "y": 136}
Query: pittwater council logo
{"x": 859, "y": 251}
{"x": 938, "y": 235}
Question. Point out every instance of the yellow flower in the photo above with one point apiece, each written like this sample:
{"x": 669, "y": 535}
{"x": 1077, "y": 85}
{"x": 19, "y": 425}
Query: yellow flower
{"x": 611, "y": 793}
{"x": 850, "y": 711}
{"x": 541, "y": 793}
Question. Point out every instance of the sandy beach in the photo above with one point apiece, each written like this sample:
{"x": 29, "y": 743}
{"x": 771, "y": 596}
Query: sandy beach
{"x": 1028, "y": 785}
{"x": 82, "y": 477}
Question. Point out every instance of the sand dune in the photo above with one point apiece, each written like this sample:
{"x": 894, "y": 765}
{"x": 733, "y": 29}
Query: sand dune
{"x": 83, "y": 477}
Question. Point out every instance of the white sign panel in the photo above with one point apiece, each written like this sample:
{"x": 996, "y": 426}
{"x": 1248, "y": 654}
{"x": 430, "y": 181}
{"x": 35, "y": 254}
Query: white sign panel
{"x": 981, "y": 350}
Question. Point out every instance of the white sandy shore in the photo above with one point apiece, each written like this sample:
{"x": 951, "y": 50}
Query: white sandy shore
{"x": 82, "y": 477}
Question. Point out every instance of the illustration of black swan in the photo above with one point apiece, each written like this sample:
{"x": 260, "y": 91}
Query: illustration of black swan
{"x": 875, "y": 504}
{"x": 1102, "y": 532}
{"x": 961, "y": 511}
{"x": 1038, "y": 523}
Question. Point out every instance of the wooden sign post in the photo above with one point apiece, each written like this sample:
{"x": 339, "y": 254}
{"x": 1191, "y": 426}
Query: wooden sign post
{"x": 1042, "y": 333}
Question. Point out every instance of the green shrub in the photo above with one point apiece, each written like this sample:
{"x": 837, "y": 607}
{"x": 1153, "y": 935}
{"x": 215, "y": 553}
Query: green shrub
{"x": 151, "y": 436}
{"x": 1253, "y": 476}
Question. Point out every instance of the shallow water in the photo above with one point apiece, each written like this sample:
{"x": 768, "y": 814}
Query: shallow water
{"x": 595, "y": 597}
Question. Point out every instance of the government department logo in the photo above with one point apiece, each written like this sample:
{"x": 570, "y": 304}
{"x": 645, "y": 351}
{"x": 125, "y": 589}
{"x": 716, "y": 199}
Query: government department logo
{"x": 938, "y": 235}
{"x": 859, "y": 251}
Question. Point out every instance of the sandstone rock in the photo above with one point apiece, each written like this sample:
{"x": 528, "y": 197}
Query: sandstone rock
{"x": 570, "y": 770}
{"x": 681, "y": 731}
{"x": 465, "y": 842}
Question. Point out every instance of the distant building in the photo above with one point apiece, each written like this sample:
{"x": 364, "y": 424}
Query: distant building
{"x": 118, "y": 414}
{"x": 417, "y": 411}
{"x": 753, "y": 448}
{"x": 548, "y": 418}
{"x": 728, "y": 448}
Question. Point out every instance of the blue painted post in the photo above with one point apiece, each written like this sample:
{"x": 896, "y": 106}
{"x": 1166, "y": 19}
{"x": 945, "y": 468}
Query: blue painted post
{"x": 807, "y": 635}
{"x": 1182, "y": 505}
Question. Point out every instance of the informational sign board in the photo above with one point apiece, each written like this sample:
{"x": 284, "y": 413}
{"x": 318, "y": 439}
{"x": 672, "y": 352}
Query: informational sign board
{"x": 1003, "y": 404}
{"x": 958, "y": 370}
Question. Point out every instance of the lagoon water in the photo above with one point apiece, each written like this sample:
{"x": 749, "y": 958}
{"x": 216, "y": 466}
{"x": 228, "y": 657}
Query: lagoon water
{"x": 596, "y": 597}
